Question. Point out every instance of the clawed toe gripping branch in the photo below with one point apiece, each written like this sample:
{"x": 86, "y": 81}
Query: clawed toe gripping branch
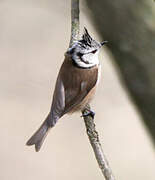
{"x": 87, "y": 114}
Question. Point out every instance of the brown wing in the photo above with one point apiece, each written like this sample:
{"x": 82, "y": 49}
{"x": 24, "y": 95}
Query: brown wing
{"x": 72, "y": 86}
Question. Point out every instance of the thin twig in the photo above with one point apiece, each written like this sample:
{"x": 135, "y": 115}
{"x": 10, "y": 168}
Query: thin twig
{"x": 74, "y": 22}
{"x": 89, "y": 121}
{"x": 96, "y": 145}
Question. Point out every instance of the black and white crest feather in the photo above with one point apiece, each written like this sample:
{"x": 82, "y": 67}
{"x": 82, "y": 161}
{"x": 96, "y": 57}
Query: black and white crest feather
{"x": 87, "y": 40}
{"x": 86, "y": 37}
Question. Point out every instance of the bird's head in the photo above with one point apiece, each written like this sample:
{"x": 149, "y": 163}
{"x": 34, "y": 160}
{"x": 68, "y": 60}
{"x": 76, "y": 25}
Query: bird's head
{"x": 85, "y": 51}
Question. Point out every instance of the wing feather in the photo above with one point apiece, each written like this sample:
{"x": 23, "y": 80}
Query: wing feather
{"x": 72, "y": 86}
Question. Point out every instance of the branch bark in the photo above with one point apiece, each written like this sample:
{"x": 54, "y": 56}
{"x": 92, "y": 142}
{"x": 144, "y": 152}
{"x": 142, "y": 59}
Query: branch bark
{"x": 89, "y": 121}
{"x": 96, "y": 145}
{"x": 74, "y": 22}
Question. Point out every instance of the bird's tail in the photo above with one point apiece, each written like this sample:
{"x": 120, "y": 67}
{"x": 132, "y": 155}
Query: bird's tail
{"x": 39, "y": 136}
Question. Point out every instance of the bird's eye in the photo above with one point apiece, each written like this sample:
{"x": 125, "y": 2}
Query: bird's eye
{"x": 80, "y": 54}
{"x": 94, "y": 51}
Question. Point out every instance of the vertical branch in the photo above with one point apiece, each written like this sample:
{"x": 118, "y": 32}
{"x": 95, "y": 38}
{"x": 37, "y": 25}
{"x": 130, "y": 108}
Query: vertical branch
{"x": 89, "y": 121}
{"x": 74, "y": 22}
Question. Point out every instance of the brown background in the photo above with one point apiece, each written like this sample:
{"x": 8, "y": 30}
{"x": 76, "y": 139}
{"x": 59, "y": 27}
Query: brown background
{"x": 33, "y": 38}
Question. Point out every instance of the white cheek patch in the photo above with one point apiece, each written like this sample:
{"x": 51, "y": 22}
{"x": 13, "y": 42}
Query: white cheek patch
{"x": 89, "y": 60}
{"x": 83, "y": 65}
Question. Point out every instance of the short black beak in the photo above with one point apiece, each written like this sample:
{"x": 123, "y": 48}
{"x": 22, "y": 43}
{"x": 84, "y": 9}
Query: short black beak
{"x": 104, "y": 42}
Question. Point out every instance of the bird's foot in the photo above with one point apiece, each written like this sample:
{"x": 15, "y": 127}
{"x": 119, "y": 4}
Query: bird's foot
{"x": 89, "y": 113}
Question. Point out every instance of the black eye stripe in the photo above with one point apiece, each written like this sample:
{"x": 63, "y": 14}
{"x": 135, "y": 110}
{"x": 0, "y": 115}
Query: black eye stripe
{"x": 81, "y": 54}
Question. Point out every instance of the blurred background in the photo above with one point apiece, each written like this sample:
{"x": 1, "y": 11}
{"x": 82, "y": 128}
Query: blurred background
{"x": 33, "y": 38}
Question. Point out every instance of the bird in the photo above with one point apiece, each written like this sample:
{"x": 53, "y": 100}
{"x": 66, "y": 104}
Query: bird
{"x": 75, "y": 85}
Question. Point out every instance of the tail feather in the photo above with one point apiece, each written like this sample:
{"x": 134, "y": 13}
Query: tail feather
{"x": 39, "y": 136}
